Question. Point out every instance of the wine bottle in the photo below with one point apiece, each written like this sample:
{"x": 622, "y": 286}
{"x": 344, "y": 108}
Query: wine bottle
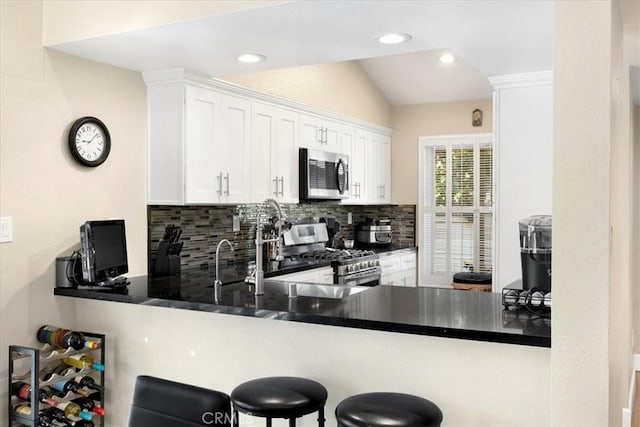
{"x": 73, "y": 410}
{"x": 59, "y": 337}
{"x": 87, "y": 381}
{"x": 44, "y": 420}
{"x": 23, "y": 391}
{"x": 66, "y": 386}
{"x": 82, "y": 361}
{"x": 89, "y": 405}
{"x": 96, "y": 396}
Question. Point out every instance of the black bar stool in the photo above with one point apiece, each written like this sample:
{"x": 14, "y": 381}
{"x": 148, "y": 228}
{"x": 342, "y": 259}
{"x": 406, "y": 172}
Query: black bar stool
{"x": 279, "y": 397}
{"x": 387, "y": 409}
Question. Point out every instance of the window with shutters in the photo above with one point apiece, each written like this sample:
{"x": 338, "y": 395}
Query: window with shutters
{"x": 456, "y": 207}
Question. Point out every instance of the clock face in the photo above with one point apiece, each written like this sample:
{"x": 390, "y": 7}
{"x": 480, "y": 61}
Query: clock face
{"x": 89, "y": 141}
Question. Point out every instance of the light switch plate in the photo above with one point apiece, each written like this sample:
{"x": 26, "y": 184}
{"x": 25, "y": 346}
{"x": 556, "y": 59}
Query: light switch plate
{"x": 6, "y": 229}
{"x": 236, "y": 223}
{"x": 349, "y": 218}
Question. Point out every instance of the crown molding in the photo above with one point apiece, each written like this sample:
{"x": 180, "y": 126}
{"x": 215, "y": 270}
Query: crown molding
{"x": 182, "y": 76}
{"x": 539, "y": 78}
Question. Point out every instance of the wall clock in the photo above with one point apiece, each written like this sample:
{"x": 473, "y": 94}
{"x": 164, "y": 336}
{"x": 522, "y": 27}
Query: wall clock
{"x": 89, "y": 141}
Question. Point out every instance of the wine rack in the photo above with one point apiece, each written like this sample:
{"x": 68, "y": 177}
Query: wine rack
{"x": 38, "y": 358}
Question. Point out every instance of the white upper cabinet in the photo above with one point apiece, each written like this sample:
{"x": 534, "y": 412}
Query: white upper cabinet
{"x": 234, "y": 160}
{"x": 203, "y": 136}
{"x": 319, "y": 133}
{"x": 215, "y": 143}
{"x": 274, "y": 154}
{"x": 357, "y": 166}
{"x": 370, "y": 168}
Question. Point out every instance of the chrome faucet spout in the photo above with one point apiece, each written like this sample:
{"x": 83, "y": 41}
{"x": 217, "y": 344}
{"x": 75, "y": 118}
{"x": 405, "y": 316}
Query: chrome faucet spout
{"x": 258, "y": 276}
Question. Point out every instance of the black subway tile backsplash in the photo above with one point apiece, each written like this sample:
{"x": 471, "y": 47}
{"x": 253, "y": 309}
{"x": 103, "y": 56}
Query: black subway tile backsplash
{"x": 204, "y": 226}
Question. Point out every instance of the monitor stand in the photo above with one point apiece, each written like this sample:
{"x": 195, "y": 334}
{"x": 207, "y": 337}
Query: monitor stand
{"x": 115, "y": 282}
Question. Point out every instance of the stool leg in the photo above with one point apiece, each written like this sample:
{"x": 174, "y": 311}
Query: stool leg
{"x": 268, "y": 422}
{"x": 321, "y": 417}
{"x": 236, "y": 422}
{"x": 292, "y": 422}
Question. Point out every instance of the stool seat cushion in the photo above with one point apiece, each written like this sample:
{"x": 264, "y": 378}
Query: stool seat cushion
{"x": 387, "y": 409}
{"x": 472, "y": 278}
{"x": 279, "y": 397}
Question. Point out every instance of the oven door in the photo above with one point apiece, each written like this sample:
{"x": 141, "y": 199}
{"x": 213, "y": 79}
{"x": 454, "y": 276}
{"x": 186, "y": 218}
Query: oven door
{"x": 323, "y": 175}
{"x": 361, "y": 278}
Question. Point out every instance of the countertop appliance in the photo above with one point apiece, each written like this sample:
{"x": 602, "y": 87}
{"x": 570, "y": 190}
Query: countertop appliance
{"x": 374, "y": 232}
{"x": 305, "y": 242}
{"x": 535, "y": 252}
{"x": 323, "y": 175}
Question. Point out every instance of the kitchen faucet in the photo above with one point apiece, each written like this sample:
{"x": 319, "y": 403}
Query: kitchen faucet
{"x": 257, "y": 276}
{"x": 217, "y": 283}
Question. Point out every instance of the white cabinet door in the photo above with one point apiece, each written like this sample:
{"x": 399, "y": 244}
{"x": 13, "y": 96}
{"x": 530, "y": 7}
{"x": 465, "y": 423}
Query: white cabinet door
{"x": 274, "y": 155}
{"x": 379, "y": 169}
{"x": 235, "y": 149}
{"x": 319, "y": 134}
{"x": 359, "y": 167}
{"x": 217, "y": 147}
{"x": 203, "y": 148}
{"x": 286, "y": 160}
{"x": 263, "y": 183}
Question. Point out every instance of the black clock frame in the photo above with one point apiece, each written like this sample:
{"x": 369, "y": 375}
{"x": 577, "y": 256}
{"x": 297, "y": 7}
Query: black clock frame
{"x": 72, "y": 141}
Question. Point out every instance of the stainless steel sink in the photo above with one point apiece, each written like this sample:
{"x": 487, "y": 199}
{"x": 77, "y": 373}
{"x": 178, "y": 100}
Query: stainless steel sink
{"x": 313, "y": 290}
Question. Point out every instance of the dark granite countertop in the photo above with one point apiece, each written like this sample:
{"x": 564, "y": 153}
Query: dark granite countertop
{"x": 449, "y": 313}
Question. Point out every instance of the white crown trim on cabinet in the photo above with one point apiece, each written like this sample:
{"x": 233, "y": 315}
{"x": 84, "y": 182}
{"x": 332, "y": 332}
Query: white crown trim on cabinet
{"x": 180, "y": 75}
{"x": 538, "y": 78}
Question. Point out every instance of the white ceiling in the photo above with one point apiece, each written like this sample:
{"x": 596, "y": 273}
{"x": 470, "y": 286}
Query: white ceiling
{"x": 490, "y": 37}
{"x": 431, "y": 80}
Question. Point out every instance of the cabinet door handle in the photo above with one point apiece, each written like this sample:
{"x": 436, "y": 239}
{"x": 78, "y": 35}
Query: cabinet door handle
{"x": 325, "y": 136}
{"x": 227, "y": 179}
{"x": 319, "y": 139}
{"x": 219, "y": 177}
{"x": 275, "y": 180}
{"x": 282, "y": 186}
{"x": 384, "y": 190}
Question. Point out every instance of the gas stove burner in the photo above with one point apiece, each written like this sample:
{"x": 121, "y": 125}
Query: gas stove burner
{"x": 338, "y": 255}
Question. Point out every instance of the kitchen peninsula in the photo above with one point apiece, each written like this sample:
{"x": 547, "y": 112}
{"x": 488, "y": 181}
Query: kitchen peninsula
{"x": 437, "y": 312}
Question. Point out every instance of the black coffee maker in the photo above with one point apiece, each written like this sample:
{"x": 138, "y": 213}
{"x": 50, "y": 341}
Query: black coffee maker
{"x": 535, "y": 252}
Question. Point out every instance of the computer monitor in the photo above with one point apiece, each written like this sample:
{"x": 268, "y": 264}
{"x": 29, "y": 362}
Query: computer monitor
{"x": 103, "y": 249}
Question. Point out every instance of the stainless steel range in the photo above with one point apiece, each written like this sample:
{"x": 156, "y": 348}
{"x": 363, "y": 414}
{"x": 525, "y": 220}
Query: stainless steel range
{"x": 350, "y": 267}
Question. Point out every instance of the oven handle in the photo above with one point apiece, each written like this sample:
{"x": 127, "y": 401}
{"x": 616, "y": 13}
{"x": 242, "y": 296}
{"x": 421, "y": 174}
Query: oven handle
{"x": 362, "y": 278}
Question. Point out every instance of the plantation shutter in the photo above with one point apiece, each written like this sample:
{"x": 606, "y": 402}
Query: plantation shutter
{"x": 457, "y": 207}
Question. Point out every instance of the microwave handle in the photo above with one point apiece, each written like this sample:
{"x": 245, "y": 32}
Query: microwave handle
{"x": 341, "y": 166}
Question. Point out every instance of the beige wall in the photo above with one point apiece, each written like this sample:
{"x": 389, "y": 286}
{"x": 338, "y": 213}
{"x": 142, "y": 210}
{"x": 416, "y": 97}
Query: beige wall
{"x": 620, "y": 288}
{"x": 412, "y": 121}
{"x": 41, "y": 187}
{"x": 591, "y": 353}
{"x": 341, "y": 87}
{"x": 635, "y": 239}
{"x": 66, "y": 20}
{"x": 474, "y": 383}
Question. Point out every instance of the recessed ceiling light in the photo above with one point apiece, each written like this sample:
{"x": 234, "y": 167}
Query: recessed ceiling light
{"x": 251, "y": 58}
{"x": 447, "y": 58}
{"x": 394, "y": 38}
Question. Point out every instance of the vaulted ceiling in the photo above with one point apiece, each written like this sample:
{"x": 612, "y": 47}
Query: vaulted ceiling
{"x": 488, "y": 37}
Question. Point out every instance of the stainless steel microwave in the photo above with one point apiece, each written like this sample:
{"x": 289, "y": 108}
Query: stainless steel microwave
{"x": 323, "y": 175}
